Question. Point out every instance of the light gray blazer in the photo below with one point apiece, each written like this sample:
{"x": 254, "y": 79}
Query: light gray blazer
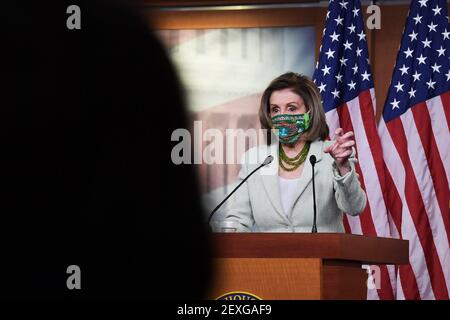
{"x": 256, "y": 206}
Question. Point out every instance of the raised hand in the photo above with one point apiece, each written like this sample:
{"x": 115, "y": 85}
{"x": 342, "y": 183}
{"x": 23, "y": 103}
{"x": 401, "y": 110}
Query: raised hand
{"x": 341, "y": 150}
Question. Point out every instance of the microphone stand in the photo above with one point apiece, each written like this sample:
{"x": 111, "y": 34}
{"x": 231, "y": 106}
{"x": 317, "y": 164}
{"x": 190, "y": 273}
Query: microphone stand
{"x": 266, "y": 162}
{"x": 312, "y": 159}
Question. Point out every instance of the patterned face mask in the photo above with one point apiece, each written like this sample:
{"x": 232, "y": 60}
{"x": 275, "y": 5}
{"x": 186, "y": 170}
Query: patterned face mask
{"x": 291, "y": 126}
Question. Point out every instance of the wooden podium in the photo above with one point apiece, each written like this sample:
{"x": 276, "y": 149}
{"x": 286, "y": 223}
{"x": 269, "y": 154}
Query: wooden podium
{"x": 298, "y": 266}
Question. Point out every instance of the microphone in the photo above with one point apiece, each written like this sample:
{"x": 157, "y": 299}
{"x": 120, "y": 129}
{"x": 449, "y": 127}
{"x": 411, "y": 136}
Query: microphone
{"x": 313, "y": 160}
{"x": 266, "y": 161}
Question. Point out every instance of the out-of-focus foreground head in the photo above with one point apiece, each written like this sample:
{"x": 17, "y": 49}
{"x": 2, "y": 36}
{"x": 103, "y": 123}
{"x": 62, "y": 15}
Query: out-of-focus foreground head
{"x": 86, "y": 176}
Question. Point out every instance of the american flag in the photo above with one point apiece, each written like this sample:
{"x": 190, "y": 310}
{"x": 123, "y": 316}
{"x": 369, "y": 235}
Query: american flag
{"x": 415, "y": 137}
{"x": 344, "y": 78}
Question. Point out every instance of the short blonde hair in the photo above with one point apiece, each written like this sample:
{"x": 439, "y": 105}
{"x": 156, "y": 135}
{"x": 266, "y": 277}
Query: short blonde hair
{"x": 305, "y": 88}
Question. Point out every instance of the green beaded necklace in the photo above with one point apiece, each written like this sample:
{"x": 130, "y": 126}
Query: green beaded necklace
{"x": 294, "y": 162}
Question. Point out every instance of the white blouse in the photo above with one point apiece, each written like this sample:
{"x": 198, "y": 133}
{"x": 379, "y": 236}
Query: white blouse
{"x": 288, "y": 193}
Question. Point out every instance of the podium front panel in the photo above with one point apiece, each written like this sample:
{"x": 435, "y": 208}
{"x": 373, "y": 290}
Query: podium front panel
{"x": 267, "y": 279}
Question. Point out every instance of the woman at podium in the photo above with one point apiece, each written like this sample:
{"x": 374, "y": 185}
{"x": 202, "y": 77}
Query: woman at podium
{"x": 279, "y": 197}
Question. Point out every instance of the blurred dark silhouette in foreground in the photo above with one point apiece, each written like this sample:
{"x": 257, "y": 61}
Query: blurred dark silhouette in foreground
{"x": 86, "y": 177}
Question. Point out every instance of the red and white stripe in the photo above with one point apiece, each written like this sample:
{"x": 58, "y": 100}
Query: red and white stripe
{"x": 416, "y": 153}
{"x": 358, "y": 116}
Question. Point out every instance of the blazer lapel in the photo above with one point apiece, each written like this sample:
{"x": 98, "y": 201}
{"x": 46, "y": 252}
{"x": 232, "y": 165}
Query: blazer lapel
{"x": 270, "y": 180}
{"x": 306, "y": 177}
